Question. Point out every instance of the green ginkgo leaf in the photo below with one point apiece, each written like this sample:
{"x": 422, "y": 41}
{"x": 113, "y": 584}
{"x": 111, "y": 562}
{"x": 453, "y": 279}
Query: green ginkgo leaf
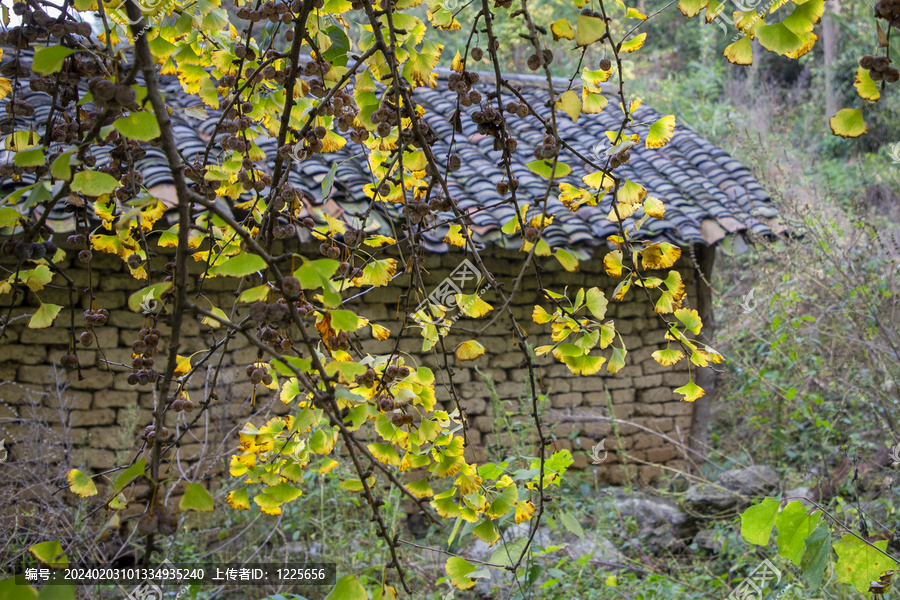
{"x": 344, "y": 320}
{"x": 458, "y": 569}
{"x": 196, "y": 498}
{"x": 240, "y": 265}
{"x": 778, "y": 38}
{"x": 94, "y": 183}
{"x": 848, "y": 123}
{"x": 348, "y": 588}
{"x": 33, "y": 157}
{"x": 44, "y": 316}
{"x": 50, "y": 59}
{"x": 546, "y": 169}
{"x": 141, "y": 126}
{"x": 50, "y": 553}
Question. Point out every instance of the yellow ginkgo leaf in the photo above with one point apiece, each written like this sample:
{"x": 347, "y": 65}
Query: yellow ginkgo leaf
{"x": 631, "y": 192}
{"x": 182, "y": 365}
{"x": 541, "y": 316}
{"x": 379, "y": 332}
{"x": 562, "y": 29}
{"x": 80, "y": 484}
{"x": 865, "y": 86}
{"x": 848, "y": 123}
{"x": 691, "y": 391}
{"x": 634, "y": 43}
{"x": 668, "y": 357}
{"x": 612, "y": 262}
{"x": 470, "y": 350}
{"x": 457, "y": 64}
{"x": 593, "y": 79}
{"x": 654, "y": 207}
{"x": 691, "y": 8}
{"x": 598, "y": 181}
{"x": 570, "y": 103}
{"x": 455, "y": 237}
{"x": 377, "y": 273}
{"x": 660, "y": 132}
{"x": 621, "y": 211}
{"x": 660, "y": 255}
{"x": 44, "y": 316}
{"x": 524, "y": 510}
{"x": 238, "y": 499}
{"x": 690, "y": 318}
{"x": 590, "y": 29}
{"x": 328, "y": 465}
{"x": 472, "y": 305}
{"x": 573, "y": 197}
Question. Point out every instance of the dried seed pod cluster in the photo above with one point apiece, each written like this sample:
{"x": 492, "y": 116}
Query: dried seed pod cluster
{"x": 142, "y": 351}
{"x": 92, "y": 318}
{"x": 889, "y": 10}
{"x": 880, "y": 68}
{"x": 548, "y": 149}
{"x": 259, "y": 373}
{"x": 28, "y": 250}
{"x": 462, "y": 84}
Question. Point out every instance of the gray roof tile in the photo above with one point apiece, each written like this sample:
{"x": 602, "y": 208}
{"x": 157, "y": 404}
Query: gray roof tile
{"x": 694, "y": 179}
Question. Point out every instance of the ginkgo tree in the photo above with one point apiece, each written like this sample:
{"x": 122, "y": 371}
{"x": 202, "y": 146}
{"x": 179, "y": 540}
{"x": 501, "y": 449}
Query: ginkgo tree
{"x": 317, "y": 75}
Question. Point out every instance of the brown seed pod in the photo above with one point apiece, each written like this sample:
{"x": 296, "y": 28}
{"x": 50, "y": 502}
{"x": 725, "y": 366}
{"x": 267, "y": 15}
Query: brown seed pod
{"x": 168, "y": 524}
{"x": 147, "y": 524}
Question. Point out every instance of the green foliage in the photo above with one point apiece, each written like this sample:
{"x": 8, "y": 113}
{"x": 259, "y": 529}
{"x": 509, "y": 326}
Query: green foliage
{"x": 805, "y": 542}
{"x": 196, "y": 498}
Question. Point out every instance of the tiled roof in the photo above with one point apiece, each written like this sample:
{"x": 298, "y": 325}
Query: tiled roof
{"x": 705, "y": 191}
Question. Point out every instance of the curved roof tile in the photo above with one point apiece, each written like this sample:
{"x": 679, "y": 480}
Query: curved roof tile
{"x": 695, "y": 180}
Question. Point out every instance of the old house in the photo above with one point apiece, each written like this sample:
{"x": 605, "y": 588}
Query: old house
{"x": 708, "y": 196}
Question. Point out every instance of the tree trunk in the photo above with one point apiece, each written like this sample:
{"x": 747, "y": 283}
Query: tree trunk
{"x": 830, "y": 38}
{"x": 705, "y": 378}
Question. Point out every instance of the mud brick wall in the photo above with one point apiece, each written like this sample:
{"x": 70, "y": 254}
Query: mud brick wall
{"x": 102, "y": 415}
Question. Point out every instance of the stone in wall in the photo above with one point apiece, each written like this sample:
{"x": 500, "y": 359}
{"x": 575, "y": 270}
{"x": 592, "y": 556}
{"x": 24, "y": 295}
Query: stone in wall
{"x": 103, "y": 412}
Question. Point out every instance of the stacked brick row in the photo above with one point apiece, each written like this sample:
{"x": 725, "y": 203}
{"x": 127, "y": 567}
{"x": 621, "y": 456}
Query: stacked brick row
{"x": 104, "y": 415}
